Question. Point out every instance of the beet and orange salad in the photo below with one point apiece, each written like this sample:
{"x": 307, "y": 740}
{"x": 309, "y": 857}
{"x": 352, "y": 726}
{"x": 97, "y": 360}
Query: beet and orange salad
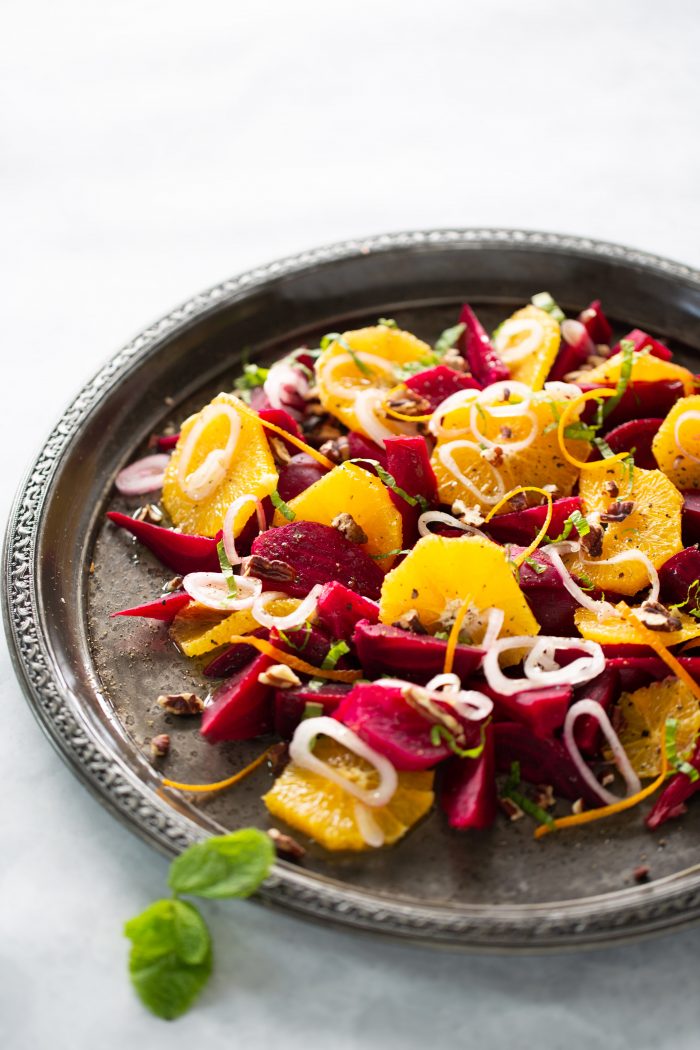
{"x": 466, "y": 570}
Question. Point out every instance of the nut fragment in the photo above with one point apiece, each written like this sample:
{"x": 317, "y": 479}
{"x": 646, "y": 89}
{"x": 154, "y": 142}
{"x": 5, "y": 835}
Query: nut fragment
{"x": 469, "y": 515}
{"x": 592, "y": 542}
{"x": 285, "y": 845}
{"x": 611, "y": 488}
{"x": 518, "y": 501}
{"x": 408, "y": 403}
{"x": 337, "y": 450}
{"x": 348, "y": 527}
{"x": 278, "y": 757}
{"x": 160, "y": 745}
{"x": 618, "y": 511}
{"x": 657, "y": 617}
{"x": 507, "y": 433}
{"x": 279, "y": 676}
{"x": 181, "y": 703}
{"x": 453, "y": 359}
{"x": 173, "y": 585}
{"x": 578, "y": 806}
{"x": 511, "y": 809}
{"x": 544, "y": 798}
{"x": 280, "y": 451}
{"x": 641, "y": 874}
{"x": 410, "y": 621}
{"x": 494, "y": 455}
{"x": 269, "y": 568}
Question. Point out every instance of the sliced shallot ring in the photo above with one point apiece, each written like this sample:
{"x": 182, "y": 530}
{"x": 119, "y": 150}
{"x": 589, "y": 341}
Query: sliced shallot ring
{"x": 594, "y": 709}
{"x": 554, "y": 551}
{"x": 429, "y": 516}
{"x": 493, "y": 628}
{"x": 447, "y": 459}
{"x": 459, "y": 399}
{"x": 284, "y": 379}
{"x": 505, "y": 443}
{"x": 576, "y": 673}
{"x": 514, "y": 326}
{"x": 212, "y": 590}
{"x": 685, "y": 417}
{"x": 229, "y": 522}
{"x": 200, "y": 484}
{"x": 498, "y": 391}
{"x": 300, "y": 752}
{"x": 365, "y": 406}
{"x": 300, "y": 615}
{"x": 144, "y": 475}
{"x": 367, "y": 826}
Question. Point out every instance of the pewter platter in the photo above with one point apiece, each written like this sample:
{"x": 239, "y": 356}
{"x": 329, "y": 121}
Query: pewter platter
{"x": 92, "y": 681}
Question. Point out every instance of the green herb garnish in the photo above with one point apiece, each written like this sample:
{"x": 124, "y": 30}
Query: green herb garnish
{"x": 674, "y": 759}
{"x": 253, "y": 376}
{"x": 312, "y": 709}
{"x": 544, "y": 301}
{"x": 440, "y": 733}
{"x": 284, "y": 508}
{"x": 576, "y": 520}
{"x": 603, "y": 447}
{"x": 390, "y": 481}
{"x": 511, "y": 790}
{"x": 449, "y": 338}
{"x": 336, "y": 651}
{"x": 536, "y": 566}
{"x": 391, "y": 554}
{"x": 227, "y": 570}
{"x": 627, "y": 351}
{"x": 388, "y": 322}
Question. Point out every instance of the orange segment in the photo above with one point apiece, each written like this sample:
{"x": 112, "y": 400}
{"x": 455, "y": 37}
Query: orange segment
{"x": 317, "y": 807}
{"x": 644, "y": 714}
{"x": 653, "y": 527}
{"x": 440, "y": 573}
{"x": 370, "y": 362}
{"x": 676, "y": 445}
{"x": 538, "y": 329}
{"x": 252, "y": 472}
{"x": 645, "y": 368}
{"x": 351, "y": 489}
{"x": 198, "y": 630}
{"x": 614, "y": 630}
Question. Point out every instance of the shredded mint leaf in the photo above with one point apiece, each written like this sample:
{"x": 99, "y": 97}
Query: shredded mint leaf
{"x": 334, "y": 654}
{"x": 603, "y": 447}
{"x": 312, "y": 710}
{"x": 511, "y": 790}
{"x": 674, "y": 759}
{"x": 586, "y": 582}
{"x": 170, "y": 959}
{"x": 580, "y": 432}
{"x": 390, "y": 554}
{"x": 284, "y": 508}
{"x": 579, "y": 522}
{"x": 412, "y": 368}
{"x": 536, "y": 566}
{"x": 390, "y": 481}
{"x": 305, "y": 627}
{"x": 449, "y": 338}
{"x": 439, "y": 733}
{"x": 227, "y": 569}
{"x": 544, "y": 301}
{"x": 627, "y": 351}
{"x": 628, "y": 467}
{"x": 388, "y": 322}
{"x": 224, "y": 865}
{"x": 253, "y": 376}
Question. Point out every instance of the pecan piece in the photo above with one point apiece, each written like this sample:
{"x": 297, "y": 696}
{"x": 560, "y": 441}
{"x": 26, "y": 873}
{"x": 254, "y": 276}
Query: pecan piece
{"x": 160, "y": 745}
{"x": 618, "y": 511}
{"x": 285, "y": 845}
{"x": 280, "y": 452}
{"x": 279, "y": 676}
{"x": 410, "y": 621}
{"x": 408, "y": 403}
{"x": 592, "y": 542}
{"x": 493, "y": 455}
{"x": 454, "y": 360}
{"x": 348, "y": 527}
{"x": 173, "y": 585}
{"x": 611, "y": 488}
{"x": 511, "y": 809}
{"x": 181, "y": 703}
{"x": 269, "y": 568}
{"x": 278, "y": 758}
{"x": 469, "y": 515}
{"x": 657, "y": 617}
{"x": 518, "y": 501}
{"x": 337, "y": 450}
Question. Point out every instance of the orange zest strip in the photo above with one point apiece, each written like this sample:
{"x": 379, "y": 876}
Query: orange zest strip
{"x": 524, "y": 555}
{"x": 297, "y": 442}
{"x": 263, "y": 646}
{"x": 564, "y": 419}
{"x": 454, "y": 635}
{"x": 220, "y": 785}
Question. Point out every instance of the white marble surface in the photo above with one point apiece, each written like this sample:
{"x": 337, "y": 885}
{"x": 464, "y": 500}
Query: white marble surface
{"x": 149, "y": 149}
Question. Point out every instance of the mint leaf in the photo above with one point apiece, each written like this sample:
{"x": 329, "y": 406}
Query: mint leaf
{"x": 223, "y": 866}
{"x": 170, "y": 959}
{"x": 253, "y": 376}
{"x": 449, "y": 338}
{"x": 544, "y": 301}
{"x": 388, "y": 322}
{"x": 227, "y": 569}
{"x": 279, "y": 504}
{"x": 627, "y": 351}
{"x": 334, "y": 654}
{"x": 390, "y": 481}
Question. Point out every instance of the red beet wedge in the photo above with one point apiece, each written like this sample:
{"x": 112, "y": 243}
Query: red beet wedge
{"x": 671, "y": 802}
{"x": 339, "y": 610}
{"x": 437, "y": 384}
{"x": 484, "y": 363}
{"x": 408, "y": 461}
{"x": 179, "y": 552}
{"x": 241, "y": 707}
{"x": 641, "y": 341}
{"x": 596, "y": 323}
{"x": 299, "y": 474}
{"x": 690, "y": 517}
{"x": 636, "y": 434}
{"x": 164, "y": 608}
{"x": 468, "y": 788}
{"x": 522, "y": 526}
{"x": 383, "y": 649}
{"x": 290, "y": 704}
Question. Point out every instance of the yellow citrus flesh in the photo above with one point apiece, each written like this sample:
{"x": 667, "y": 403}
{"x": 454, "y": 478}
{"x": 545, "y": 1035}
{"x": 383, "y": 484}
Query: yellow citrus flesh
{"x": 251, "y": 472}
{"x": 324, "y": 811}
{"x": 677, "y": 462}
{"x": 653, "y": 527}
{"x": 198, "y": 630}
{"x": 351, "y": 489}
{"x": 540, "y": 464}
{"x": 439, "y": 571}
{"x": 534, "y": 369}
{"x": 644, "y": 715}
{"x": 614, "y": 631}
{"x": 645, "y": 368}
{"x": 340, "y": 376}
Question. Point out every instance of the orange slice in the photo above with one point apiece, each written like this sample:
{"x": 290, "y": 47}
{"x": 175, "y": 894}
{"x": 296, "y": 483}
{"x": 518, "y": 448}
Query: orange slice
{"x": 318, "y": 807}
{"x": 364, "y": 359}
{"x": 644, "y": 714}
{"x": 537, "y": 328}
{"x": 198, "y": 630}
{"x": 676, "y": 445}
{"x": 351, "y": 489}
{"x": 441, "y": 572}
{"x": 653, "y": 527}
{"x": 645, "y": 368}
{"x": 251, "y": 472}
{"x": 614, "y": 630}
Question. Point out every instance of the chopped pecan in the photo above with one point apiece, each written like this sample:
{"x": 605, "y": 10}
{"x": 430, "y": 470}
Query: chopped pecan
{"x": 173, "y": 585}
{"x": 181, "y": 703}
{"x": 507, "y": 433}
{"x": 641, "y": 873}
{"x": 278, "y": 757}
{"x": 280, "y": 452}
{"x": 493, "y": 455}
{"x": 469, "y": 515}
{"x": 408, "y": 403}
{"x": 578, "y": 806}
{"x": 592, "y": 542}
{"x": 279, "y": 676}
{"x": 544, "y": 798}
{"x": 160, "y": 745}
{"x": 518, "y": 501}
{"x": 149, "y": 512}
{"x": 410, "y": 621}
{"x": 326, "y": 431}
{"x": 511, "y": 809}
{"x": 657, "y": 617}
{"x": 337, "y": 450}
{"x": 611, "y": 488}
{"x": 285, "y": 845}
{"x": 618, "y": 511}
{"x": 454, "y": 360}
{"x": 269, "y": 568}
{"x": 348, "y": 527}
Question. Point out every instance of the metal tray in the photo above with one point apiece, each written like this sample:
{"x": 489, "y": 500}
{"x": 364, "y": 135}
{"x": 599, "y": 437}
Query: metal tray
{"x": 92, "y": 681}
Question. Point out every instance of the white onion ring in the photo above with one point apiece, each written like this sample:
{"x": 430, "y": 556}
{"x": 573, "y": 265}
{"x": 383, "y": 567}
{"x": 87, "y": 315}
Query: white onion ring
{"x": 581, "y": 670}
{"x": 336, "y": 389}
{"x": 514, "y": 326}
{"x": 446, "y": 689}
{"x": 553, "y": 551}
{"x": 498, "y": 391}
{"x": 685, "y": 417}
{"x": 447, "y": 459}
{"x": 366, "y": 403}
{"x": 144, "y": 475}
{"x": 506, "y": 444}
{"x": 211, "y": 589}
{"x": 299, "y": 752}
{"x": 592, "y": 707}
{"x": 208, "y": 476}
{"x": 293, "y": 619}
{"x": 227, "y": 529}
{"x": 429, "y": 516}
{"x": 286, "y": 387}
{"x": 493, "y": 628}
{"x": 457, "y": 400}
{"x": 367, "y": 826}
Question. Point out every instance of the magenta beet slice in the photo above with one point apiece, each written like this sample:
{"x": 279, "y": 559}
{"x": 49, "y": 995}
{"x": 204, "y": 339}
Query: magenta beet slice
{"x": 641, "y": 400}
{"x": 339, "y": 610}
{"x": 604, "y": 689}
{"x": 541, "y": 761}
{"x": 241, "y": 707}
{"x": 638, "y": 671}
{"x": 179, "y": 552}
{"x": 690, "y": 518}
{"x": 542, "y": 710}
{"x": 671, "y": 802}
{"x": 522, "y": 526}
{"x": 408, "y": 461}
{"x": 575, "y": 349}
{"x": 641, "y": 340}
{"x": 438, "y": 383}
{"x": 636, "y": 434}
{"x": 382, "y": 717}
{"x": 310, "y": 643}
{"x": 165, "y": 442}
{"x": 360, "y": 447}
{"x": 596, "y": 323}
{"x": 318, "y": 554}
{"x": 678, "y": 575}
{"x": 383, "y": 649}
{"x": 484, "y": 363}
{"x": 233, "y": 657}
{"x": 164, "y": 608}
{"x": 290, "y": 704}
{"x": 468, "y": 788}
{"x": 551, "y": 604}
{"x": 299, "y": 474}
